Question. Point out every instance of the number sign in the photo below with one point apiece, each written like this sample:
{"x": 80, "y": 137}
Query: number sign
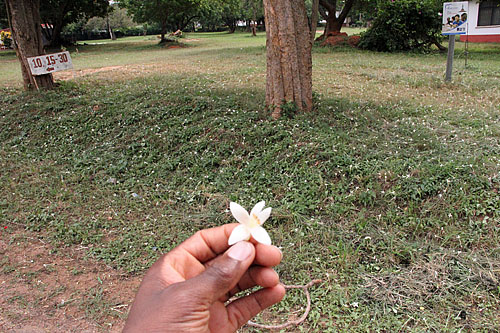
{"x": 49, "y": 63}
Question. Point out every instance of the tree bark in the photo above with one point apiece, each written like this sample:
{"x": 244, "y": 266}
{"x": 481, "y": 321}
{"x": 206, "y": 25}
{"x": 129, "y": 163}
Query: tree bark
{"x": 27, "y": 33}
{"x": 334, "y": 23}
{"x": 254, "y": 20}
{"x": 163, "y": 31}
{"x": 289, "y": 62}
{"x": 314, "y": 18}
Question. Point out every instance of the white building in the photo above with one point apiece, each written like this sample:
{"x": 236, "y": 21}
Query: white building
{"x": 483, "y": 22}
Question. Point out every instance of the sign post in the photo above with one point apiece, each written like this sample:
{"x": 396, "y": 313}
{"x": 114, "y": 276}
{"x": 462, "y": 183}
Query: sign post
{"x": 49, "y": 63}
{"x": 449, "y": 61}
{"x": 454, "y": 23}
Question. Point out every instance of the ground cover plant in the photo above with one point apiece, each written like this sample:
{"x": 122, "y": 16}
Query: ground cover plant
{"x": 388, "y": 191}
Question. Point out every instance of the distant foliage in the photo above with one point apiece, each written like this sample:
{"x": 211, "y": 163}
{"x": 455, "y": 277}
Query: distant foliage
{"x": 403, "y": 25}
{"x": 117, "y": 18}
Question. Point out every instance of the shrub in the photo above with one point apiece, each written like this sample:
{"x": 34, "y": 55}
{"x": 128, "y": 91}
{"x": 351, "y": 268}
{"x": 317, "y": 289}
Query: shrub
{"x": 403, "y": 25}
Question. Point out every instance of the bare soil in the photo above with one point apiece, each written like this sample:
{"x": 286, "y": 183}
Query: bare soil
{"x": 47, "y": 290}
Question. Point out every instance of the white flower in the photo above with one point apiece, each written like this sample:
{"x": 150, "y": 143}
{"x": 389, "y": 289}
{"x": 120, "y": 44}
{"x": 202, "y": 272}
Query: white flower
{"x": 250, "y": 224}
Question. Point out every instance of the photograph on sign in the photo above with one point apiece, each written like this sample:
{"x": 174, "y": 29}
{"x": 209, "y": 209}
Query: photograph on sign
{"x": 49, "y": 63}
{"x": 455, "y": 18}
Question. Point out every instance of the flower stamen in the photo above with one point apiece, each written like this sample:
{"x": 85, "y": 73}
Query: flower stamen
{"x": 254, "y": 221}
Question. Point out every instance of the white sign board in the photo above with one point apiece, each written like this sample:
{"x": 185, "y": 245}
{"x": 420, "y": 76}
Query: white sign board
{"x": 455, "y": 18}
{"x": 49, "y": 63}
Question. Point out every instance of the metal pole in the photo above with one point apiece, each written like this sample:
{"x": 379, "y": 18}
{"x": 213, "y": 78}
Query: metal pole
{"x": 449, "y": 62}
{"x": 466, "y": 45}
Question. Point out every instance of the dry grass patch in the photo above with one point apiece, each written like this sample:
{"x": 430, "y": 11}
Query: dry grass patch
{"x": 447, "y": 283}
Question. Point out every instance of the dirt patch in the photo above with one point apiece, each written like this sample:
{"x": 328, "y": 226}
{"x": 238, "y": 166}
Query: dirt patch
{"x": 68, "y": 75}
{"x": 43, "y": 289}
{"x": 120, "y": 73}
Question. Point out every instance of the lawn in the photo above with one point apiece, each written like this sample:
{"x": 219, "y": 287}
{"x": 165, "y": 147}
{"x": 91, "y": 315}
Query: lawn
{"x": 388, "y": 191}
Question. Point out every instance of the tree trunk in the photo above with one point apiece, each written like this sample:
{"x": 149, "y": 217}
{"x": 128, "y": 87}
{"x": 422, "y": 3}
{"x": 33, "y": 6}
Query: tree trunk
{"x": 110, "y": 30}
{"x": 334, "y": 23}
{"x": 231, "y": 25}
{"x": 314, "y": 18}
{"x": 254, "y": 19}
{"x": 163, "y": 31}
{"x": 289, "y": 62}
{"x": 58, "y": 24}
{"x": 56, "y": 34}
{"x": 47, "y": 32}
{"x": 27, "y": 33}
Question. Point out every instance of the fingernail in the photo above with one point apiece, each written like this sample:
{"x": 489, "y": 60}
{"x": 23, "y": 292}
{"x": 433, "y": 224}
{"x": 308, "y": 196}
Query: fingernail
{"x": 240, "y": 251}
{"x": 280, "y": 252}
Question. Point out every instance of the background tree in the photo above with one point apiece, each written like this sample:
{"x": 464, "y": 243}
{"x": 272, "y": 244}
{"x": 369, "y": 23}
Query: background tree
{"x": 4, "y": 23}
{"x": 174, "y": 14}
{"x": 27, "y": 34}
{"x": 314, "y": 18}
{"x": 328, "y": 10}
{"x": 221, "y": 14}
{"x": 253, "y": 11}
{"x": 117, "y": 19}
{"x": 289, "y": 62}
{"x": 405, "y": 25}
{"x": 231, "y": 14}
{"x": 59, "y": 13}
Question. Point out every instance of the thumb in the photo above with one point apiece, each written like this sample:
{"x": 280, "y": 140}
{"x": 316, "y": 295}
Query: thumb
{"x": 223, "y": 273}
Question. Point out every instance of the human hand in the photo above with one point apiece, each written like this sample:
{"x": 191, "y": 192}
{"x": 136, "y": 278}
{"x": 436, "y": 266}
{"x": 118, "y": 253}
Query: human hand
{"x": 187, "y": 288}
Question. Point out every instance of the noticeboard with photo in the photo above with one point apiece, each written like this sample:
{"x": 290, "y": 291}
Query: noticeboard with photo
{"x": 455, "y": 18}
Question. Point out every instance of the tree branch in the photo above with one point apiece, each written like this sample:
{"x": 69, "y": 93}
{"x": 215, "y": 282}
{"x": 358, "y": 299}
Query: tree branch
{"x": 347, "y": 8}
{"x": 323, "y": 13}
{"x": 328, "y": 6}
{"x": 314, "y": 19}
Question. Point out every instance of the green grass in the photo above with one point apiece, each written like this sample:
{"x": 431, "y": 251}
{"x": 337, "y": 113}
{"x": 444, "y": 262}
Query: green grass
{"x": 388, "y": 190}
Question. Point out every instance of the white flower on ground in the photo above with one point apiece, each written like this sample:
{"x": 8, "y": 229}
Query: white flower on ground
{"x": 250, "y": 224}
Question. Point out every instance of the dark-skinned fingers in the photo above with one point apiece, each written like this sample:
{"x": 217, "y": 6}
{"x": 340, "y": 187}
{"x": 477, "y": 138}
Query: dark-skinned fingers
{"x": 264, "y": 277}
{"x": 223, "y": 274}
{"x": 267, "y": 255}
{"x": 244, "y": 309}
{"x": 207, "y": 244}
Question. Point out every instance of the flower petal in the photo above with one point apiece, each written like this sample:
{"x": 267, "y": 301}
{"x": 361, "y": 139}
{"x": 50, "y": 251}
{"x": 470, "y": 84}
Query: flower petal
{"x": 260, "y": 235}
{"x": 257, "y": 208}
{"x": 264, "y": 215}
{"x": 239, "y": 213}
{"x": 239, "y": 233}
